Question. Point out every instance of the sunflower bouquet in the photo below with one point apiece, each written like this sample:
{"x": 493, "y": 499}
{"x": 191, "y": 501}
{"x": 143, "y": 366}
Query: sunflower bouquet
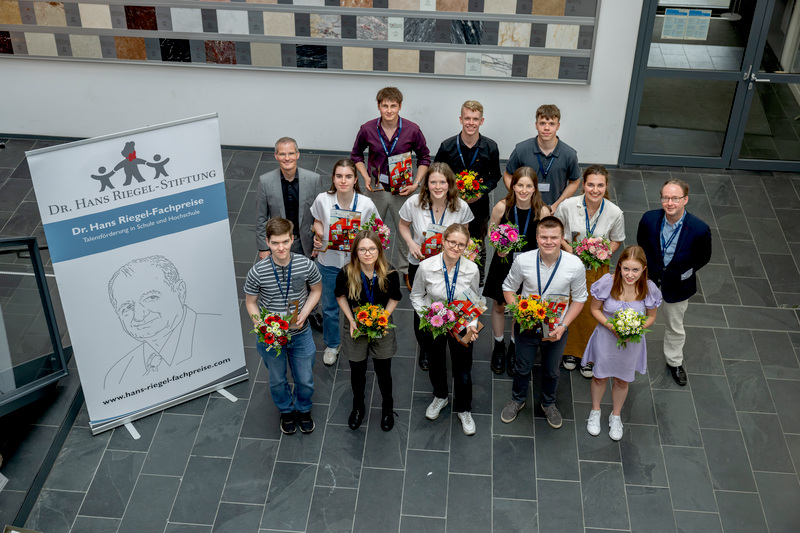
{"x": 469, "y": 185}
{"x": 533, "y": 313}
{"x": 372, "y": 320}
{"x": 272, "y": 330}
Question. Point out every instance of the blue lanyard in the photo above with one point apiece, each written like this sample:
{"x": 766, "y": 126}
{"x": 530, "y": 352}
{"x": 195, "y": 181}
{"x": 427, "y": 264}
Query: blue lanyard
{"x": 461, "y": 156}
{"x": 542, "y": 170}
{"x": 451, "y": 291}
{"x": 278, "y": 281}
{"x": 394, "y": 143}
{"x": 539, "y": 271}
{"x": 665, "y": 244}
{"x": 355, "y": 203}
{"x": 590, "y": 231}
{"x": 441, "y": 220}
{"x": 527, "y": 219}
{"x": 369, "y": 289}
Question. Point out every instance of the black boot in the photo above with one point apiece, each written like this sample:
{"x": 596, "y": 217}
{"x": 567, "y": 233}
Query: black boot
{"x": 498, "y": 355}
{"x": 511, "y": 358}
{"x": 423, "y": 360}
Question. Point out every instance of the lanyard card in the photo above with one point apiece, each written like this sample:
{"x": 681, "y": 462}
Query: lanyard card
{"x": 344, "y": 225}
{"x": 432, "y": 244}
{"x": 469, "y": 306}
{"x": 558, "y": 303}
{"x": 399, "y": 172}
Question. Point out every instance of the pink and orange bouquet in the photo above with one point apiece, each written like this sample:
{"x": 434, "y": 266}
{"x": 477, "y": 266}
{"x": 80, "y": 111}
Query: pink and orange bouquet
{"x": 438, "y": 318}
{"x": 473, "y": 250}
{"x": 371, "y": 321}
{"x": 272, "y": 330}
{"x": 506, "y": 238}
{"x": 376, "y": 224}
{"x": 469, "y": 185}
{"x": 593, "y": 251}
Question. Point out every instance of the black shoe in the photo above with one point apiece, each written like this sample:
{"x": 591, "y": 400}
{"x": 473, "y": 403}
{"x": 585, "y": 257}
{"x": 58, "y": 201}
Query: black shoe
{"x": 423, "y": 360}
{"x": 306, "y": 422}
{"x": 498, "y": 357}
{"x": 511, "y": 358}
{"x": 387, "y": 420}
{"x": 678, "y": 374}
{"x": 315, "y": 319}
{"x": 288, "y": 423}
{"x": 356, "y": 417}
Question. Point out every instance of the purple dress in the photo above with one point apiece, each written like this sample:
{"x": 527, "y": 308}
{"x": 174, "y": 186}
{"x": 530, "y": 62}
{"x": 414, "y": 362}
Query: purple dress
{"x": 610, "y": 361}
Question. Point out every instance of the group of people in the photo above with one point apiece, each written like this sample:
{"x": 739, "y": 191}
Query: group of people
{"x": 298, "y": 269}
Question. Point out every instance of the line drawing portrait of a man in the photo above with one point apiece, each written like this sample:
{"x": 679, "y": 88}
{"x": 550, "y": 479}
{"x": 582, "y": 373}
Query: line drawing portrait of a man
{"x": 149, "y": 297}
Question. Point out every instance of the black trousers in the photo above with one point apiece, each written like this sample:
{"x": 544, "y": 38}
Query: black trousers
{"x": 358, "y": 380}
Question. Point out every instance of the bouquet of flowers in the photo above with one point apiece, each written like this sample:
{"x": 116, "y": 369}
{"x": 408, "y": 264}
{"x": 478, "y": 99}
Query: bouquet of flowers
{"x": 438, "y": 318}
{"x": 376, "y": 224}
{"x": 272, "y": 330}
{"x": 628, "y": 325}
{"x": 372, "y": 321}
{"x": 593, "y": 251}
{"x": 473, "y": 250}
{"x": 532, "y": 313}
{"x": 506, "y": 238}
{"x": 469, "y": 185}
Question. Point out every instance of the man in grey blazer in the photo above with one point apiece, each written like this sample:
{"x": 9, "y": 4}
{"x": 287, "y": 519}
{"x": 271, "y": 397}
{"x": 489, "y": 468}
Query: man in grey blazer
{"x": 287, "y": 192}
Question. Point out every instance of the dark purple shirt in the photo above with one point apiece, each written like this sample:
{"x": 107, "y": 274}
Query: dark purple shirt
{"x": 410, "y": 139}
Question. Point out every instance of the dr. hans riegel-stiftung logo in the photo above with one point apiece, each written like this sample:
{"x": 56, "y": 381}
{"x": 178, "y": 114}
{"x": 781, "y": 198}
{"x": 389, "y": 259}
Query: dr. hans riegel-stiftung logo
{"x": 132, "y": 166}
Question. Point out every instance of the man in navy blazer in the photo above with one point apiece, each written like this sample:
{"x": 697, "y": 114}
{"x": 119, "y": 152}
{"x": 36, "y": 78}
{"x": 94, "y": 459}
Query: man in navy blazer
{"x": 677, "y": 245}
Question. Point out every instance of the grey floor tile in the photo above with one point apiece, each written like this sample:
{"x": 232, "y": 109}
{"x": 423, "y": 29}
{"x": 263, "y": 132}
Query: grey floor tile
{"x": 150, "y": 504}
{"x": 786, "y": 395}
{"x": 728, "y": 461}
{"x": 642, "y": 458}
{"x": 513, "y": 516}
{"x": 10, "y": 504}
{"x": 778, "y": 358}
{"x": 201, "y": 490}
{"x": 91, "y": 524}
{"x": 748, "y": 387}
{"x": 556, "y": 451}
{"x": 789, "y": 224}
{"x": 779, "y": 496}
{"x": 262, "y": 418}
{"x": 289, "y": 498}
{"x": 736, "y": 344}
{"x": 469, "y": 503}
{"x": 305, "y": 448}
{"x": 172, "y": 445}
{"x": 23, "y": 455}
{"x": 522, "y": 426}
{"x": 765, "y": 319}
{"x": 332, "y": 510}
{"x": 422, "y": 524}
{"x": 765, "y": 442}
{"x": 701, "y": 346}
{"x": 196, "y": 406}
{"x": 379, "y": 497}
{"x": 427, "y": 434}
{"x": 743, "y": 259}
{"x": 781, "y": 272}
{"x": 77, "y": 461}
{"x": 713, "y": 402}
{"x": 639, "y": 407}
{"x": 731, "y": 224}
{"x": 692, "y": 522}
{"x": 481, "y": 387}
{"x": 689, "y": 479}
{"x": 677, "y": 421}
{"x": 112, "y": 484}
{"x": 248, "y": 479}
{"x": 741, "y": 512}
{"x": 471, "y": 454}
{"x": 220, "y": 428}
{"x": 705, "y": 315}
{"x": 603, "y": 491}
{"x": 238, "y": 518}
{"x": 425, "y": 490}
{"x": 767, "y": 235}
{"x": 387, "y": 449}
{"x": 341, "y": 458}
{"x": 514, "y": 467}
{"x": 650, "y": 509}
{"x": 718, "y": 285}
{"x": 402, "y": 382}
{"x": 54, "y": 511}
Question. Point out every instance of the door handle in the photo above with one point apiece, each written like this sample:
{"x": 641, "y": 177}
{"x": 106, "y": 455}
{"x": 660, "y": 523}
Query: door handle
{"x": 753, "y": 78}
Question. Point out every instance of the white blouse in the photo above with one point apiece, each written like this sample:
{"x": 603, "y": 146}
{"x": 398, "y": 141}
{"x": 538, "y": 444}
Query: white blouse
{"x": 429, "y": 285}
{"x": 420, "y": 219}
{"x": 321, "y": 210}
{"x": 610, "y": 223}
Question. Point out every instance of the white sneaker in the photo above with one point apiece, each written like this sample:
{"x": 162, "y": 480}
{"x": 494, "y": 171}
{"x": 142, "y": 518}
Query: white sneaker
{"x": 593, "y": 423}
{"x": 330, "y": 356}
{"x": 467, "y": 423}
{"x": 614, "y": 427}
{"x": 436, "y": 406}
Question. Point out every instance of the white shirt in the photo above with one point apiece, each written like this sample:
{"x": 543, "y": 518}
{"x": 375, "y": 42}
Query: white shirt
{"x": 321, "y": 210}
{"x": 421, "y": 218}
{"x": 569, "y": 279}
{"x": 610, "y": 223}
{"x": 429, "y": 285}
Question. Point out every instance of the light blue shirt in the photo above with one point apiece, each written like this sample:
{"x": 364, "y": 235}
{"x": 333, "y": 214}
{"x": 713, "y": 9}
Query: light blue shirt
{"x": 667, "y": 231}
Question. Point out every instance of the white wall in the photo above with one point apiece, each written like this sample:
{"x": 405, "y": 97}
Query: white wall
{"x": 322, "y": 111}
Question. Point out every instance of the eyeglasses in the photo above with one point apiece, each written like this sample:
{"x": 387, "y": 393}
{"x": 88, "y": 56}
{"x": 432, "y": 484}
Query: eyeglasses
{"x": 368, "y": 251}
{"x": 673, "y": 199}
{"x": 454, "y": 244}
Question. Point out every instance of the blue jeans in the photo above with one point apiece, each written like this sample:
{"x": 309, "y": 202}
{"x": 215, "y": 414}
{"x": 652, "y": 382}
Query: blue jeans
{"x": 299, "y": 355}
{"x": 330, "y": 308}
{"x": 527, "y": 344}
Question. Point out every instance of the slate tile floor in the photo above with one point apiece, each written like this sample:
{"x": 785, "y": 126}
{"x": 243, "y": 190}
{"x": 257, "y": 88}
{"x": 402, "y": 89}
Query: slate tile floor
{"x": 721, "y": 454}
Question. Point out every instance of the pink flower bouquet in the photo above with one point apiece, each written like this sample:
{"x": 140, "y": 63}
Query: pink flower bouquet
{"x": 506, "y": 238}
{"x": 593, "y": 251}
{"x": 438, "y": 318}
{"x": 473, "y": 251}
{"x": 376, "y": 224}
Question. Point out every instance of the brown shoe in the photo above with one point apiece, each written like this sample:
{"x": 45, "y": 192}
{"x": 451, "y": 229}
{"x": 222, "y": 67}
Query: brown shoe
{"x": 408, "y": 281}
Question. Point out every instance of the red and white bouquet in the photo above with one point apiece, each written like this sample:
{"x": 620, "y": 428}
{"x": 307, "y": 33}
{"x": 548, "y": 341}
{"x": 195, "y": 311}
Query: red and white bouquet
{"x": 272, "y": 330}
{"x": 593, "y": 251}
{"x": 469, "y": 185}
{"x": 506, "y": 238}
{"x": 376, "y": 224}
{"x": 438, "y": 318}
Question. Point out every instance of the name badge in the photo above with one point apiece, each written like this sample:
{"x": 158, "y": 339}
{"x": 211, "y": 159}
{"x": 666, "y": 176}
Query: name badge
{"x": 544, "y": 187}
{"x": 384, "y": 179}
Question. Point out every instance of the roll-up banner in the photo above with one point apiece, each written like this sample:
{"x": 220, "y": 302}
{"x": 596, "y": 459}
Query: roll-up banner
{"x": 137, "y": 230}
